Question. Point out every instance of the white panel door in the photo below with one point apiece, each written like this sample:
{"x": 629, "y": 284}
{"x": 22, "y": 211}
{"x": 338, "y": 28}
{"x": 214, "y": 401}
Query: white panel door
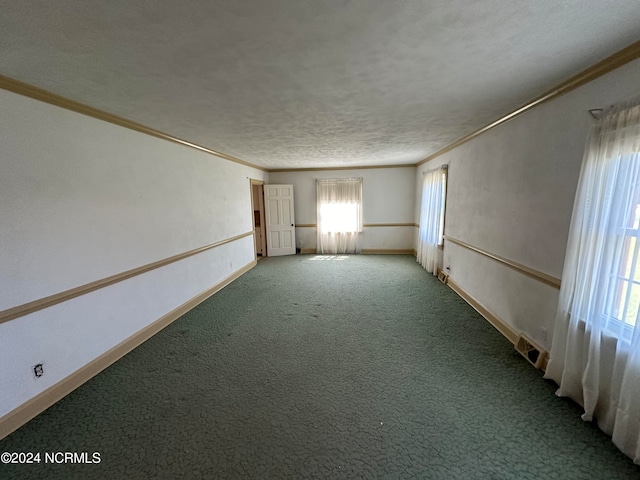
{"x": 281, "y": 234}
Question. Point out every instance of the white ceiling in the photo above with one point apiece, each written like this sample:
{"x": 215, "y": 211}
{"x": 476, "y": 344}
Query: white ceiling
{"x": 301, "y": 83}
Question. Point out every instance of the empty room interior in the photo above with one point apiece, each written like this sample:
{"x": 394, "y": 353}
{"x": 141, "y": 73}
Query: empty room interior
{"x": 347, "y": 239}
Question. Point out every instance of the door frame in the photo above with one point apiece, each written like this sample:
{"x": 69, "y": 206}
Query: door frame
{"x": 263, "y": 228}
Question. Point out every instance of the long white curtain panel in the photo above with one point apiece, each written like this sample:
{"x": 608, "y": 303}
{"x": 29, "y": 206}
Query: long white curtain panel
{"x": 430, "y": 236}
{"x": 595, "y": 355}
{"x": 339, "y": 215}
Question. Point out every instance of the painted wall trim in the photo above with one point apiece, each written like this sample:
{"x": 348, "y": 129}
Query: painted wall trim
{"x": 388, "y": 225}
{"x": 368, "y": 251}
{"x": 387, "y": 251}
{"x": 508, "y": 332}
{"x": 538, "y": 275}
{"x": 35, "y": 305}
{"x": 327, "y": 169}
{"x": 38, "y": 404}
{"x": 618, "y": 59}
{"x": 367, "y": 225}
{"x": 21, "y": 88}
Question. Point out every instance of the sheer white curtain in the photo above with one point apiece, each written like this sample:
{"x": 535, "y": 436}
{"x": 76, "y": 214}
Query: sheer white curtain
{"x": 595, "y": 356}
{"x": 339, "y": 215}
{"x": 432, "y": 218}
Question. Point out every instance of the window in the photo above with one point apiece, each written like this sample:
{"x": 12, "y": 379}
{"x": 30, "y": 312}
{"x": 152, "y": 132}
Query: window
{"x": 339, "y": 215}
{"x": 443, "y": 197}
{"x": 602, "y": 264}
{"x": 595, "y": 353}
{"x": 432, "y": 210}
{"x": 624, "y": 290}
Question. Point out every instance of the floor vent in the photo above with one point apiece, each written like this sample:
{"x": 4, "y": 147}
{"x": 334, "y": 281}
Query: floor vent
{"x": 535, "y": 355}
{"x": 442, "y": 276}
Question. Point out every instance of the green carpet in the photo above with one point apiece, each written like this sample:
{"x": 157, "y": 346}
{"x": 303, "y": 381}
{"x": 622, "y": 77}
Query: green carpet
{"x": 365, "y": 367}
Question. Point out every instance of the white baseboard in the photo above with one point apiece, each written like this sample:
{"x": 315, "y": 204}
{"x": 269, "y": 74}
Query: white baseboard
{"x": 38, "y": 404}
{"x": 509, "y": 333}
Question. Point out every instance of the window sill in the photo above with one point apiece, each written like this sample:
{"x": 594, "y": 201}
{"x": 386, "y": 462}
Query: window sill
{"x": 610, "y": 334}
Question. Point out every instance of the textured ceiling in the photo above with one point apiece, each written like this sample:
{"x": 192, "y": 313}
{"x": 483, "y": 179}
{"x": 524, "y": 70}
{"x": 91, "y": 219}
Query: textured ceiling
{"x": 310, "y": 83}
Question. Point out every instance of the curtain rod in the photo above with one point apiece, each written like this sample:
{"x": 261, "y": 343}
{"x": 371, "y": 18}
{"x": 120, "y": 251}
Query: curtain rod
{"x": 444, "y": 166}
{"x": 632, "y": 102}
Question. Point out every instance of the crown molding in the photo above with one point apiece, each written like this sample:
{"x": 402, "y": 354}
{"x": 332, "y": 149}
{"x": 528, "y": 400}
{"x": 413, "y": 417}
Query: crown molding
{"x": 327, "y": 169}
{"x": 21, "y": 88}
{"x": 618, "y": 59}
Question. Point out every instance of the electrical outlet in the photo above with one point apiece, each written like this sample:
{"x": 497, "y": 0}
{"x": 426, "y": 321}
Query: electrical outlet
{"x": 38, "y": 370}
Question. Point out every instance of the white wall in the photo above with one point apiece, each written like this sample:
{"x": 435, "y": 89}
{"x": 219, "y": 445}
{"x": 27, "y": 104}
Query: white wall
{"x": 82, "y": 199}
{"x": 511, "y": 192}
{"x": 387, "y": 197}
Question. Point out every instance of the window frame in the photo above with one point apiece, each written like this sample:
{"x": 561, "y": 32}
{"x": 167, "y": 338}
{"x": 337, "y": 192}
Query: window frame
{"x": 445, "y": 189}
